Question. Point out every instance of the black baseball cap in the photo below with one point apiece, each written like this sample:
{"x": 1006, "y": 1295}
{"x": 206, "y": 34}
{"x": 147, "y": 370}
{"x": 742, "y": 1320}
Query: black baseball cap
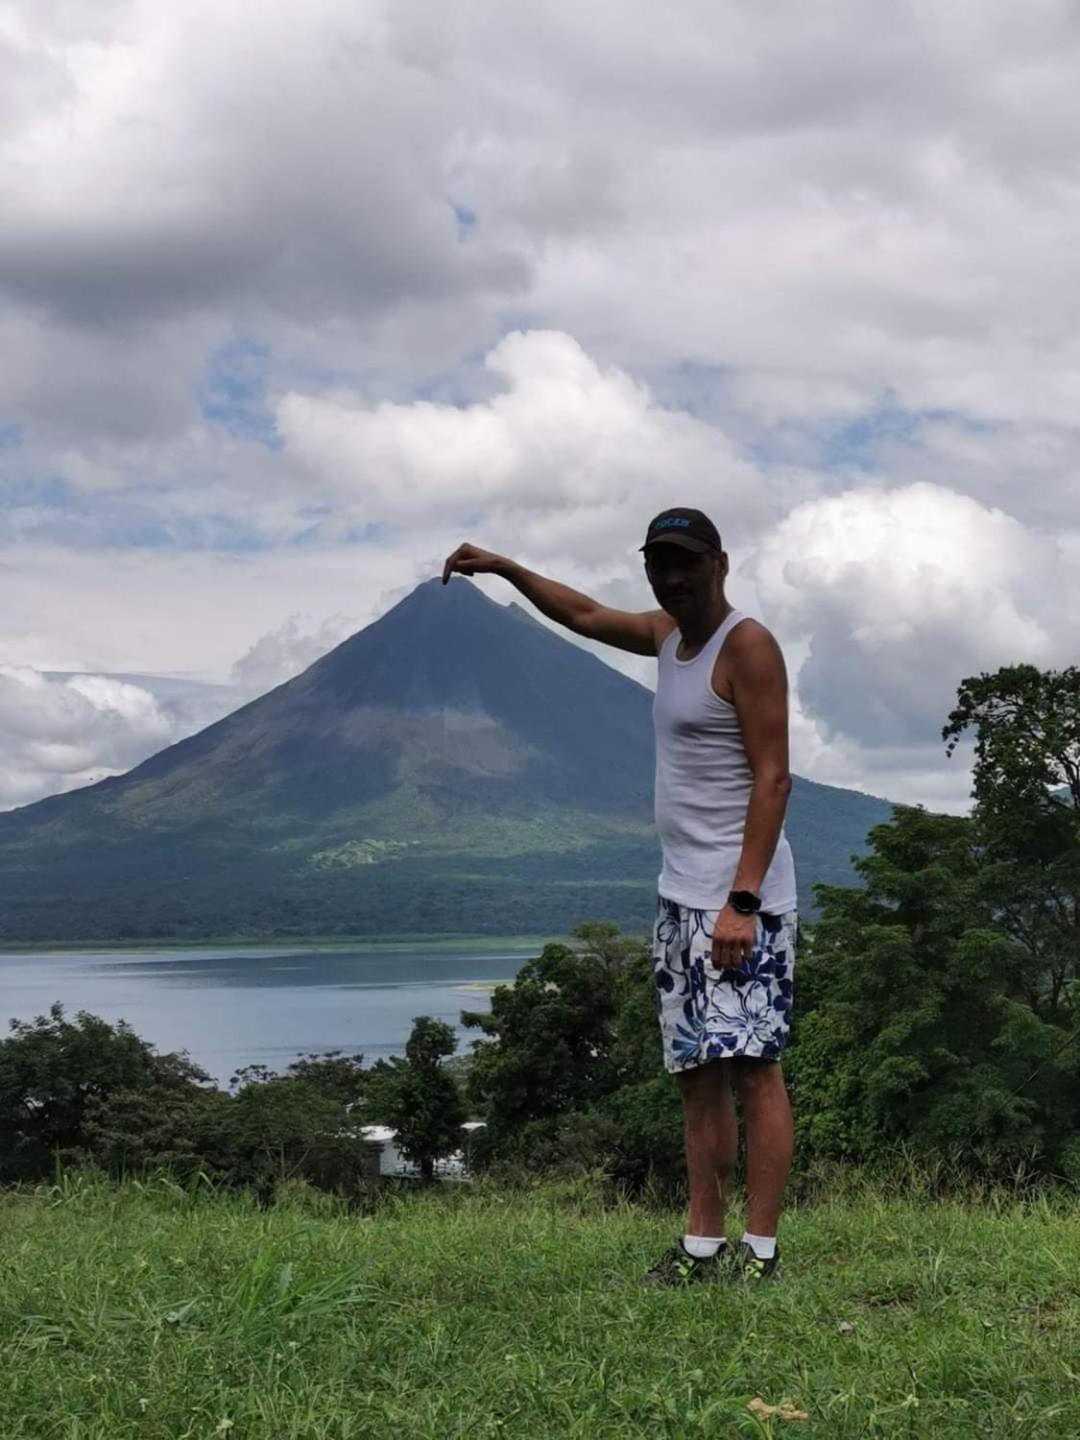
{"x": 688, "y": 528}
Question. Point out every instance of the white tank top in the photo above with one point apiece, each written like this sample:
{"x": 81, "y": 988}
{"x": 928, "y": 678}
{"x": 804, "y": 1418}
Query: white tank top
{"x": 703, "y": 782}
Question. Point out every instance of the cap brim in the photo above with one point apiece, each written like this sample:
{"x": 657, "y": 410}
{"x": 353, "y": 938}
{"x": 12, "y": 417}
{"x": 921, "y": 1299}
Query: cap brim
{"x": 684, "y": 542}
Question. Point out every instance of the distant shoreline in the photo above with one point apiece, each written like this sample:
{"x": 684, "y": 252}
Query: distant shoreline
{"x": 292, "y": 942}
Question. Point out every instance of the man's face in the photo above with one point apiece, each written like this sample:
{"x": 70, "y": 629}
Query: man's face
{"x": 683, "y": 581}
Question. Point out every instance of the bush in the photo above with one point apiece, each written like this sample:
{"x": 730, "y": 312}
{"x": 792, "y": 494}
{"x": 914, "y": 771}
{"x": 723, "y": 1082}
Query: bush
{"x": 56, "y": 1074}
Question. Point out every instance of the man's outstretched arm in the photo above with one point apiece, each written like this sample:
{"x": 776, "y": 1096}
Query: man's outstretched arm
{"x": 641, "y": 633}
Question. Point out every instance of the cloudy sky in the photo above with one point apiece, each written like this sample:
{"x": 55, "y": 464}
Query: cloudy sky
{"x": 296, "y": 295}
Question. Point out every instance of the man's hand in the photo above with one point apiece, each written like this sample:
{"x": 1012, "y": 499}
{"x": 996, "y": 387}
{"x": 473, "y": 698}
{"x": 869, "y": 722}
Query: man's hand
{"x": 733, "y": 939}
{"x": 471, "y": 560}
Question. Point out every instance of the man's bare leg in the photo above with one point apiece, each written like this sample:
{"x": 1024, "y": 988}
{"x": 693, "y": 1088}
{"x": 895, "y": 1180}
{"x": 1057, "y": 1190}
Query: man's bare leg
{"x": 769, "y": 1140}
{"x": 712, "y": 1141}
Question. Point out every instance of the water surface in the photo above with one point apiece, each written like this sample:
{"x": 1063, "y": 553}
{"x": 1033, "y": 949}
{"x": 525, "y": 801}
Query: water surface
{"x": 230, "y": 1008}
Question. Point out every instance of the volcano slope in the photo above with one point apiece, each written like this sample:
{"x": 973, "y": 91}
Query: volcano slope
{"x": 453, "y": 768}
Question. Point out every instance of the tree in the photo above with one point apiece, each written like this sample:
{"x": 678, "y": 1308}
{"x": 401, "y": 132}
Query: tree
{"x": 279, "y": 1128}
{"x": 1027, "y": 733}
{"x": 341, "y": 1077}
{"x": 53, "y": 1071}
{"x": 159, "y": 1126}
{"x": 382, "y": 1081}
{"x": 547, "y": 1051}
{"x": 914, "y": 1023}
{"x": 1026, "y": 725}
{"x": 572, "y": 1073}
{"x": 425, "y": 1106}
{"x": 604, "y": 942}
{"x": 645, "y": 1107}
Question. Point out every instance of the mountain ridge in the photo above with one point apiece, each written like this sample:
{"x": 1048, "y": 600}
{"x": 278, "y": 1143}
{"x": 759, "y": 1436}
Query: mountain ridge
{"x": 450, "y": 761}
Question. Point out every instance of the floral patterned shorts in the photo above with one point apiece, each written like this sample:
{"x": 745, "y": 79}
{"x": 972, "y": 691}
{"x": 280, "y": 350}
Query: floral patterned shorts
{"x": 709, "y": 1014}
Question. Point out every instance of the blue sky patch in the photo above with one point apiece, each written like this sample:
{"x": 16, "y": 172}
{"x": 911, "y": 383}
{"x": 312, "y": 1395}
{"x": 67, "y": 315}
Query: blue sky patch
{"x": 466, "y": 221}
{"x": 373, "y": 533}
{"x": 856, "y": 444}
{"x": 233, "y": 393}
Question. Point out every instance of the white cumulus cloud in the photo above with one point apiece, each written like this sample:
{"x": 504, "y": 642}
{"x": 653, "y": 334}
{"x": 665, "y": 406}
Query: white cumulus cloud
{"x": 569, "y": 455}
{"x": 897, "y": 595}
{"x": 57, "y": 734}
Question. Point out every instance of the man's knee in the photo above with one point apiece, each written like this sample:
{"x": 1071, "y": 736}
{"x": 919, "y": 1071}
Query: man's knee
{"x": 757, "y": 1077}
{"x": 705, "y": 1084}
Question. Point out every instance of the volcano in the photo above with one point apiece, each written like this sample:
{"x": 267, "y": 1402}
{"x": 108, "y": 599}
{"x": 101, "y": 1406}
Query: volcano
{"x": 455, "y": 767}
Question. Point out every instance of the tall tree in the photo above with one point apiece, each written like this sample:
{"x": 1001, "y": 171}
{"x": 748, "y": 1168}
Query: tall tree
{"x": 1026, "y": 725}
{"x": 425, "y": 1106}
{"x": 1027, "y": 733}
{"x": 549, "y": 1036}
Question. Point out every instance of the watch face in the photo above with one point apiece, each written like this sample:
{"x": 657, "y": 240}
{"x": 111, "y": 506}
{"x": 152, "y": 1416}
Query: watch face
{"x": 746, "y": 902}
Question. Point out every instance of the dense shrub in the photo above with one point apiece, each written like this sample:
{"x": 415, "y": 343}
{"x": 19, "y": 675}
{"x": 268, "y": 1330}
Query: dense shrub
{"x": 87, "y": 1092}
{"x": 55, "y": 1073}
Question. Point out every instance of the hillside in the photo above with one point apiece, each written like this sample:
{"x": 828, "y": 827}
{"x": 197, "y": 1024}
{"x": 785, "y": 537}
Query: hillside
{"x": 454, "y": 766}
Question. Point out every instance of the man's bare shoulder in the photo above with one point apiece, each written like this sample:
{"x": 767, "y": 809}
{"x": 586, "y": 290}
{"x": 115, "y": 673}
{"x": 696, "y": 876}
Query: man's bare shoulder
{"x": 750, "y": 657}
{"x": 752, "y": 648}
{"x": 750, "y": 636}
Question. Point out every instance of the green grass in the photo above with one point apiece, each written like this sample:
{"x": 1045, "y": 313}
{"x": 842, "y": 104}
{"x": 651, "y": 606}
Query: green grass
{"x": 136, "y": 1311}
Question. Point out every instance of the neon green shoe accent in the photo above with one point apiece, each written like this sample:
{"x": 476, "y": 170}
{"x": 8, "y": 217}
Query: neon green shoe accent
{"x": 752, "y": 1268}
{"x": 676, "y": 1267}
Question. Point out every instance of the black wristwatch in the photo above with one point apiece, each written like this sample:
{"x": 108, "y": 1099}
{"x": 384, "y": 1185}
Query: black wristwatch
{"x": 744, "y": 902}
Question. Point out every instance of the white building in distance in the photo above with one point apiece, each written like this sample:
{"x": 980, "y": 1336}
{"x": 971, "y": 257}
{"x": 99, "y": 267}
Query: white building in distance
{"x": 392, "y": 1162}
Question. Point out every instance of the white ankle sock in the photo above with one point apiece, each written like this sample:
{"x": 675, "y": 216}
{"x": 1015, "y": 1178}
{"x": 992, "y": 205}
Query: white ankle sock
{"x": 763, "y": 1246}
{"x": 703, "y": 1247}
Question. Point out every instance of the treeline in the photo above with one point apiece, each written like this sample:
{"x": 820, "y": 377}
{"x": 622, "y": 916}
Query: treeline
{"x": 84, "y": 1092}
{"x": 936, "y": 1006}
{"x": 241, "y": 890}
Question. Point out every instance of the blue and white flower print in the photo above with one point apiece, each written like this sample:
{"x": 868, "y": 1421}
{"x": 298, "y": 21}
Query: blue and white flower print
{"x": 707, "y": 1014}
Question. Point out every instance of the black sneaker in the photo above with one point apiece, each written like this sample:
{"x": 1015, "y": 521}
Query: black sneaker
{"x": 678, "y": 1267}
{"x": 751, "y": 1268}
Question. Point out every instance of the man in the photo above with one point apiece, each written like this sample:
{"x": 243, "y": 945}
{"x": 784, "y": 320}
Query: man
{"x": 724, "y": 938}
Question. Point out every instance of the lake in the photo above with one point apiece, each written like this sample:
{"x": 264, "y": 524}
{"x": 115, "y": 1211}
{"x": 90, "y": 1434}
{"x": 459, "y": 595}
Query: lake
{"x": 230, "y": 1008}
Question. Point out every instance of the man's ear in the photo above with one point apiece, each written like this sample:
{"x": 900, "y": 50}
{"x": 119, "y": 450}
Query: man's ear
{"x": 723, "y": 565}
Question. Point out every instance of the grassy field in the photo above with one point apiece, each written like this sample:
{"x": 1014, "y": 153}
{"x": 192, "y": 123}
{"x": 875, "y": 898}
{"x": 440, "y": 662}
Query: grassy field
{"x": 143, "y": 1312}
